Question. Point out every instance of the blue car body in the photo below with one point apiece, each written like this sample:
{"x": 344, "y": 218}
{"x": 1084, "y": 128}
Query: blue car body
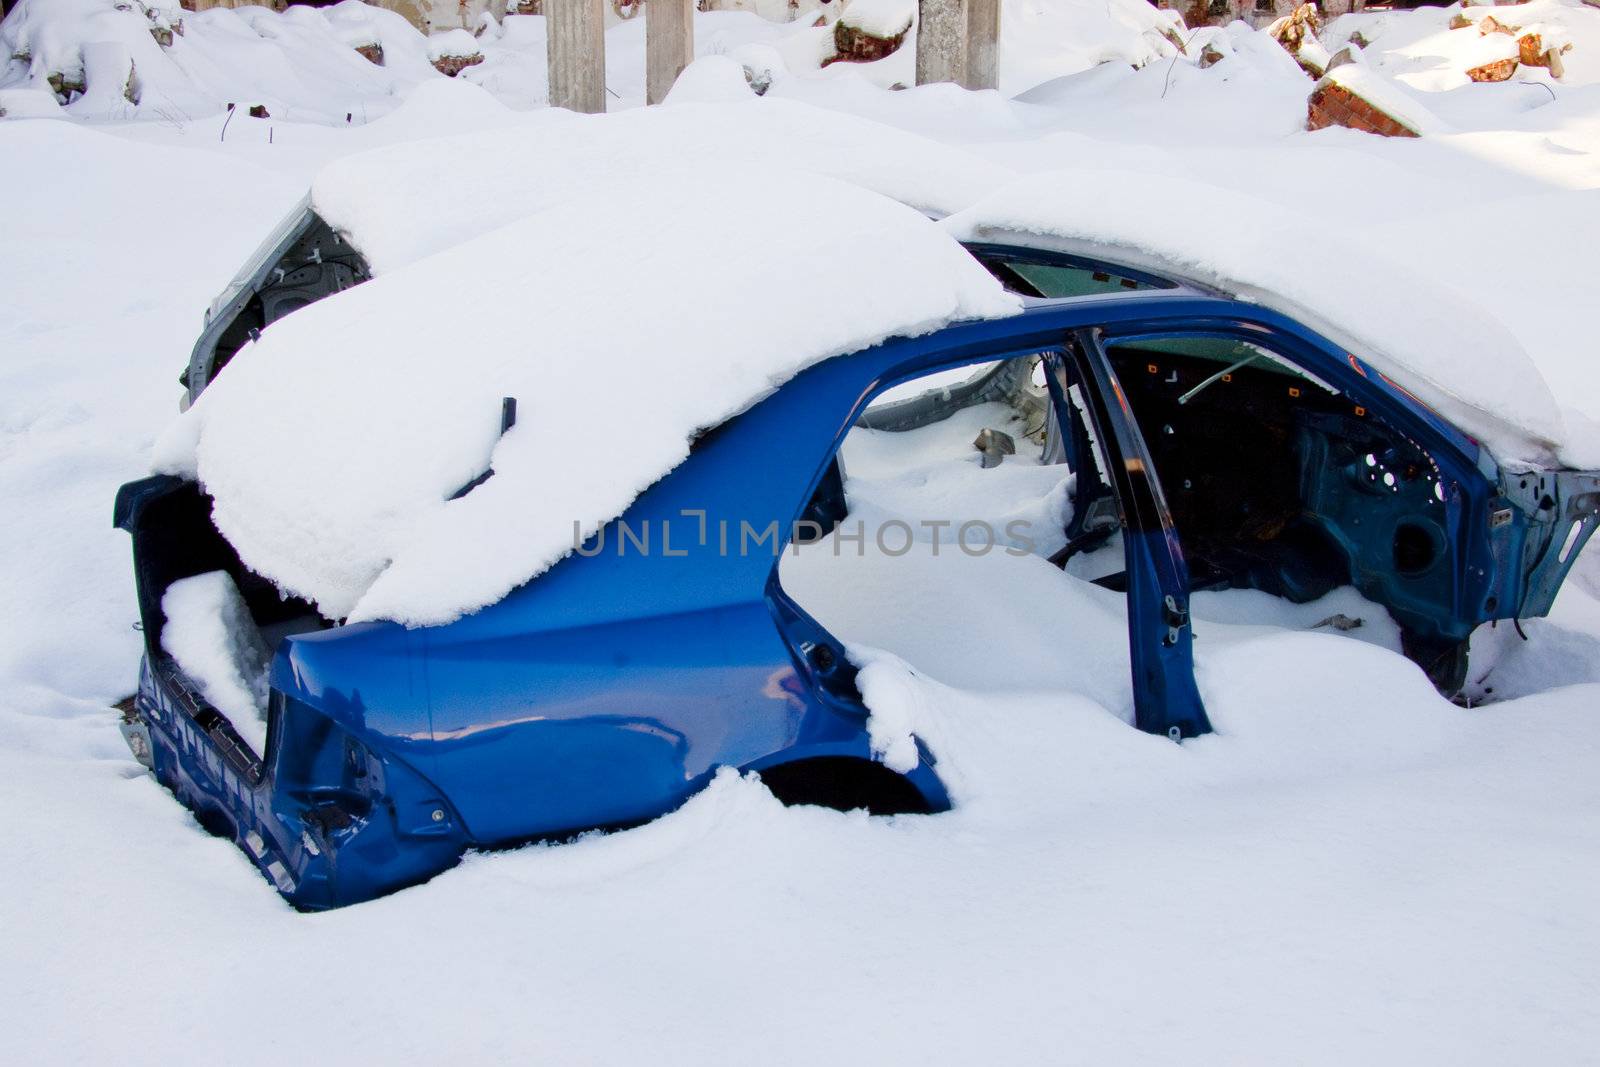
{"x": 610, "y": 688}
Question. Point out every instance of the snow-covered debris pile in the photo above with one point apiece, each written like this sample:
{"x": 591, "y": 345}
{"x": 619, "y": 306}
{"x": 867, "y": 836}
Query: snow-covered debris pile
{"x": 879, "y": 18}
{"x": 303, "y": 62}
{"x": 1395, "y": 73}
{"x": 1040, "y": 40}
{"x": 1356, "y": 97}
{"x": 1436, "y": 50}
{"x": 332, "y": 446}
{"x": 387, "y": 201}
{"x": 869, "y": 30}
{"x": 1429, "y": 337}
{"x": 320, "y": 64}
{"x": 453, "y": 52}
{"x": 1491, "y": 57}
{"x": 1297, "y": 32}
{"x": 79, "y": 48}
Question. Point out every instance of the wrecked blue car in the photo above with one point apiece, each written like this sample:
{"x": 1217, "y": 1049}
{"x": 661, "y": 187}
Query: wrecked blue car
{"x": 1212, "y": 444}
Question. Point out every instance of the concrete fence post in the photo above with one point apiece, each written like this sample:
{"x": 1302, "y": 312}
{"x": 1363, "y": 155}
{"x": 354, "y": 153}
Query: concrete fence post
{"x": 959, "y": 41}
{"x": 941, "y": 41}
{"x": 983, "y": 44}
{"x": 668, "y": 45}
{"x": 576, "y": 52}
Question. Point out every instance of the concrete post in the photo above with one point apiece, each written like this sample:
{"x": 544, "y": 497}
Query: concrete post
{"x": 668, "y": 45}
{"x": 941, "y": 41}
{"x": 576, "y": 53}
{"x": 983, "y": 44}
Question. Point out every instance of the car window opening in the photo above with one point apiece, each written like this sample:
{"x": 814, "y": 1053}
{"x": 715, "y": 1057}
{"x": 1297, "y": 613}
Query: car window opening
{"x": 307, "y": 262}
{"x": 939, "y": 520}
{"x": 1057, "y": 277}
{"x": 1278, "y": 483}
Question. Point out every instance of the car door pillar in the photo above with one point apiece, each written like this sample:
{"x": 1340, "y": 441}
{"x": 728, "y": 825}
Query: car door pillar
{"x": 1160, "y": 638}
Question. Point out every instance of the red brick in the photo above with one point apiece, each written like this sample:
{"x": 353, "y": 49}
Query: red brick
{"x": 1498, "y": 71}
{"x": 1334, "y": 105}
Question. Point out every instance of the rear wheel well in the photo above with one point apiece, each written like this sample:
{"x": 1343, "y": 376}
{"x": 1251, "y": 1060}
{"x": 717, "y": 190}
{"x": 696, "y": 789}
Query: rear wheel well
{"x": 845, "y": 783}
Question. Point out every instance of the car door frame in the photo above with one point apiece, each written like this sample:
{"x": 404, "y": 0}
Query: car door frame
{"x": 1164, "y": 693}
{"x": 1166, "y": 698}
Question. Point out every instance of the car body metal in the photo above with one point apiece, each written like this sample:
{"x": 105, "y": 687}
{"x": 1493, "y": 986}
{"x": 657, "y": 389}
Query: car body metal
{"x": 610, "y": 688}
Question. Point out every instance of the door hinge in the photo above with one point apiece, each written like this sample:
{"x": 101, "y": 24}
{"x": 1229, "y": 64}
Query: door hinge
{"x": 1176, "y": 616}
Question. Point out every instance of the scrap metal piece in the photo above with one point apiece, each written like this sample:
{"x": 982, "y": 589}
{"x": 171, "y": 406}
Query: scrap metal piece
{"x": 995, "y": 446}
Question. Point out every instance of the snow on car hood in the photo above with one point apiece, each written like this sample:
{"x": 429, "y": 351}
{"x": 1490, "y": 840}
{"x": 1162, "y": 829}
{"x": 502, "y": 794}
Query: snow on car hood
{"x": 400, "y": 203}
{"x": 332, "y": 445}
{"x": 1426, "y": 335}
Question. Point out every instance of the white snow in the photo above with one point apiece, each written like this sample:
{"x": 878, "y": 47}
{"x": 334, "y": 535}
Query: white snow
{"x": 388, "y": 201}
{"x": 210, "y": 634}
{"x": 332, "y": 446}
{"x": 1349, "y": 870}
{"x": 932, "y": 474}
{"x": 712, "y": 80}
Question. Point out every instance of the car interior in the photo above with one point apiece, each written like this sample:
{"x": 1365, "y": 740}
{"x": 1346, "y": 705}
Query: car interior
{"x": 1274, "y": 481}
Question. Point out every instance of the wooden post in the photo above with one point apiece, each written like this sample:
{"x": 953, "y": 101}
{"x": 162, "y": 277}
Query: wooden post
{"x": 668, "y": 45}
{"x": 941, "y": 41}
{"x": 983, "y": 44}
{"x": 576, "y": 53}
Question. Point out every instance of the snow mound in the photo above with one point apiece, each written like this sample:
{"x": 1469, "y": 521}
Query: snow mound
{"x": 1427, "y": 335}
{"x": 210, "y": 634}
{"x": 388, "y": 202}
{"x": 28, "y": 104}
{"x": 711, "y": 80}
{"x": 333, "y": 445}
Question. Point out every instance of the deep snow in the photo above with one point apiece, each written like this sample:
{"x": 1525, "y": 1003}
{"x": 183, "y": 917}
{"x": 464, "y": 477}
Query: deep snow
{"x": 1349, "y": 870}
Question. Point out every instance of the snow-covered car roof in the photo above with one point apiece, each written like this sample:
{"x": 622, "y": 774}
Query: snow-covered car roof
{"x": 333, "y": 444}
{"x": 405, "y": 201}
{"x": 1427, "y": 336}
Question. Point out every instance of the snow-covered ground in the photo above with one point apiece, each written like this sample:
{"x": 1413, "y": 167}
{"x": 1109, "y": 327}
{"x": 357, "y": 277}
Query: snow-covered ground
{"x": 1350, "y": 869}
